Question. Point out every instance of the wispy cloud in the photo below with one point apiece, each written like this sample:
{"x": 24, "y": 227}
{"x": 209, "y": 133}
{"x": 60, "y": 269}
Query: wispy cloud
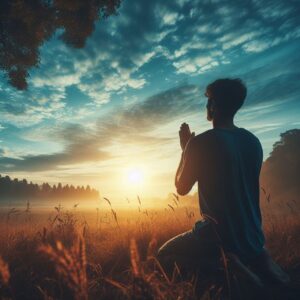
{"x": 192, "y": 38}
{"x": 81, "y": 146}
{"x": 133, "y": 124}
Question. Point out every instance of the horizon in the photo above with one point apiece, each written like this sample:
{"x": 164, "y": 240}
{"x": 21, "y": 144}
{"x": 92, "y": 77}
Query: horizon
{"x": 108, "y": 115}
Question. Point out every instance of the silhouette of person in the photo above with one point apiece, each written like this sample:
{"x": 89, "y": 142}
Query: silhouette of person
{"x": 226, "y": 162}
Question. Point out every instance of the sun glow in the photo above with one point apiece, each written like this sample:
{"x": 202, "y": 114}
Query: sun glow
{"x": 135, "y": 180}
{"x": 135, "y": 176}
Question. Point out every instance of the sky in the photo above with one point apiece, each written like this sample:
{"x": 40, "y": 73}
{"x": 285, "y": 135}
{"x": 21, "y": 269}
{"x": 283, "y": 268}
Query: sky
{"x": 108, "y": 115}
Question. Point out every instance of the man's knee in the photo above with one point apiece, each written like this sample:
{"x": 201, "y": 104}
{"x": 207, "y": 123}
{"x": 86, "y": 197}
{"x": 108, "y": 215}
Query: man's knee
{"x": 169, "y": 253}
{"x": 164, "y": 251}
{"x": 160, "y": 253}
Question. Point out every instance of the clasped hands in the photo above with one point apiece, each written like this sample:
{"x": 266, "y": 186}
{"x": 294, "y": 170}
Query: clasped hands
{"x": 185, "y": 135}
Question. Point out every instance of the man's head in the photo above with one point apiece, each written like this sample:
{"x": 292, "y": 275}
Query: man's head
{"x": 225, "y": 98}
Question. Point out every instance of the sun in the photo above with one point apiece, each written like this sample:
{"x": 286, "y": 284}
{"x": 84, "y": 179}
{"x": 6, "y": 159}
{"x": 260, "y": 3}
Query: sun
{"x": 135, "y": 176}
{"x": 135, "y": 180}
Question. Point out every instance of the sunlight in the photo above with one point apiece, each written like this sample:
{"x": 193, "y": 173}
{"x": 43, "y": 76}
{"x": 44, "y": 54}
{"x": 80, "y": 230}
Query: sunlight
{"x": 135, "y": 176}
{"x": 135, "y": 180}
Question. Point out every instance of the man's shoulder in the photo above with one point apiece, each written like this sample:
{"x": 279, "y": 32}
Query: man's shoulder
{"x": 200, "y": 138}
{"x": 212, "y": 134}
{"x": 250, "y": 134}
{"x": 204, "y": 135}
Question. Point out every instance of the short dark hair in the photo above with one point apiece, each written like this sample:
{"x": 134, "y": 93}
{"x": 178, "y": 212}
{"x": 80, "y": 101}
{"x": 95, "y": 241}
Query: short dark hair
{"x": 228, "y": 94}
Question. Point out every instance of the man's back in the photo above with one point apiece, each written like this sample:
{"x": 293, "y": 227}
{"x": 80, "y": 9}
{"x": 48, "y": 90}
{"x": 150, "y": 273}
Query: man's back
{"x": 227, "y": 163}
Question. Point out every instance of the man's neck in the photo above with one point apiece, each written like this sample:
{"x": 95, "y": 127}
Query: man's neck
{"x": 223, "y": 123}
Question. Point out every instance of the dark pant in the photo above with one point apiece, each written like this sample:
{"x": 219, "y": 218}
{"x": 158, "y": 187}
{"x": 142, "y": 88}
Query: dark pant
{"x": 192, "y": 250}
{"x": 199, "y": 250}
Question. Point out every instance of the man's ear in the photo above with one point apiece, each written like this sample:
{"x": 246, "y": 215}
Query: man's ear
{"x": 210, "y": 111}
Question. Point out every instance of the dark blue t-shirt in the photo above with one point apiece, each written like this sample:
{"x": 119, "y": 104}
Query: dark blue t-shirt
{"x": 227, "y": 163}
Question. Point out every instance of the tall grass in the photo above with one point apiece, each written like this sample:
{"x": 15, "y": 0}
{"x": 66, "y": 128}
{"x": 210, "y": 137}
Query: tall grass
{"x": 70, "y": 265}
{"x": 110, "y": 254}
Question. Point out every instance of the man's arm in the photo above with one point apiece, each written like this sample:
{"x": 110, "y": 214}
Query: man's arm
{"x": 186, "y": 172}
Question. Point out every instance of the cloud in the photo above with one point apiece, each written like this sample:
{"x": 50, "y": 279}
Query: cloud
{"x": 81, "y": 146}
{"x": 230, "y": 26}
{"x": 132, "y": 124}
{"x": 255, "y": 46}
{"x": 160, "y": 108}
{"x": 193, "y": 39}
{"x": 197, "y": 64}
{"x": 3, "y": 152}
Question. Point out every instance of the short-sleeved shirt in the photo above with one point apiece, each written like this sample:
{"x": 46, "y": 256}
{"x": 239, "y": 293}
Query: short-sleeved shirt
{"x": 227, "y": 163}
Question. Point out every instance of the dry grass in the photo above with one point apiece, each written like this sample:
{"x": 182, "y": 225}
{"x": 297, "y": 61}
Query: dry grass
{"x": 70, "y": 265}
{"x": 4, "y": 272}
{"x": 111, "y": 254}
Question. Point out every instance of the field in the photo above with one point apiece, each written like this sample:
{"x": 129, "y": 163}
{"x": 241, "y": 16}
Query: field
{"x": 110, "y": 254}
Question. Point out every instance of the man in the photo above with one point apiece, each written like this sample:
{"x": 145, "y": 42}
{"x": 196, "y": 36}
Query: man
{"x": 226, "y": 162}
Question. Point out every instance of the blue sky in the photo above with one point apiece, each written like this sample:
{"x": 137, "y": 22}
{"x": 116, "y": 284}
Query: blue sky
{"x": 90, "y": 115}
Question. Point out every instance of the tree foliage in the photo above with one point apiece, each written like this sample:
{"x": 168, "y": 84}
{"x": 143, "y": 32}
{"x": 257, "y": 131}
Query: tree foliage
{"x": 281, "y": 170}
{"x": 22, "y": 190}
{"x": 26, "y": 24}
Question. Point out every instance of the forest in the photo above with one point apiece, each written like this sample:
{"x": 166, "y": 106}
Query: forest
{"x": 16, "y": 189}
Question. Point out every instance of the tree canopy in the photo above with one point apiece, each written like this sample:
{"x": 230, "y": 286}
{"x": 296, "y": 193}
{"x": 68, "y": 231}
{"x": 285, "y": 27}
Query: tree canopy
{"x": 281, "y": 170}
{"x": 26, "y": 24}
{"x": 16, "y": 189}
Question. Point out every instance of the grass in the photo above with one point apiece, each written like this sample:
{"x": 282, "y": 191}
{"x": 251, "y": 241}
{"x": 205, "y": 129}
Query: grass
{"x": 111, "y": 254}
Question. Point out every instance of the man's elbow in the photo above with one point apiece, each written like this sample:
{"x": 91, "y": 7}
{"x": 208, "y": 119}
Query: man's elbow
{"x": 182, "y": 191}
{"x": 183, "y": 186}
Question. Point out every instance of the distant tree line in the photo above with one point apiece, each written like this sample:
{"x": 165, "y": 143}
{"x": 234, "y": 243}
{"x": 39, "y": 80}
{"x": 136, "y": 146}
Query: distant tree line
{"x": 21, "y": 189}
